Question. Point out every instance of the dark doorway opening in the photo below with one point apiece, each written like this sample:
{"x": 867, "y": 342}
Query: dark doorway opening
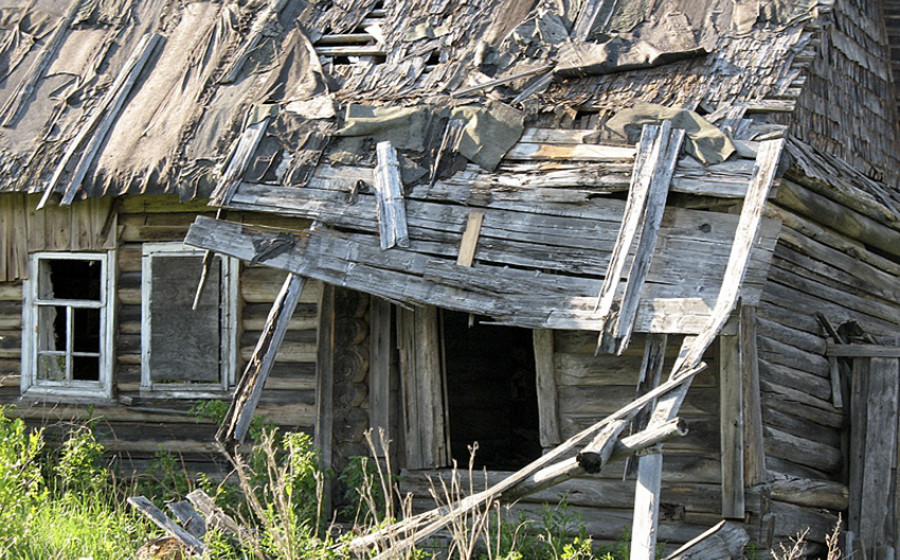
{"x": 491, "y": 393}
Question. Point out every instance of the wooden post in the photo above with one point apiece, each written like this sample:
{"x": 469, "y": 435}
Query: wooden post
{"x": 731, "y": 426}
{"x": 754, "y": 448}
{"x": 325, "y": 383}
{"x": 547, "y": 395}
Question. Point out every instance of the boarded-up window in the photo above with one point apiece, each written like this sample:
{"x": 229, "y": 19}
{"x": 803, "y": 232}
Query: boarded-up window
{"x": 186, "y": 349}
{"x": 68, "y": 309}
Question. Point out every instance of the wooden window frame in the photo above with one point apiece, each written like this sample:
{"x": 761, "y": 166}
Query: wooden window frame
{"x": 70, "y": 390}
{"x": 228, "y": 325}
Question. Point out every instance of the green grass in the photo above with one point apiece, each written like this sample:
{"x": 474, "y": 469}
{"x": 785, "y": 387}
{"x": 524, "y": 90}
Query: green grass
{"x": 63, "y": 502}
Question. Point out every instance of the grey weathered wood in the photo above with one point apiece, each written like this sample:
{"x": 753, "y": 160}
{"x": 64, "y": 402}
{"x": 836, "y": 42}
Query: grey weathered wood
{"x": 103, "y": 114}
{"x": 325, "y": 382}
{"x": 547, "y": 394}
{"x": 862, "y": 350}
{"x": 731, "y": 426}
{"x": 389, "y": 195}
{"x": 239, "y": 162}
{"x": 500, "y": 81}
{"x": 422, "y": 378}
{"x": 875, "y": 520}
{"x": 215, "y": 516}
{"x": 859, "y": 391}
{"x": 192, "y": 521}
{"x": 754, "y": 446}
{"x": 670, "y": 142}
{"x": 648, "y": 379}
{"x": 811, "y": 493}
{"x": 646, "y": 501}
{"x": 249, "y": 389}
{"x": 171, "y": 528}
{"x": 644, "y": 165}
{"x": 722, "y": 541}
{"x": 380, "y": 370}
{"x": 588, "y": 16}
{"x": 523, "y": 298}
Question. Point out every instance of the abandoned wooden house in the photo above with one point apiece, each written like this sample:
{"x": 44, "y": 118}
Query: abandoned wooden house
{"x": 495, "y": 221}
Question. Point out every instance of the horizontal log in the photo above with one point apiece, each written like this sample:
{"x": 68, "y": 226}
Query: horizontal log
{"x": 863, "y": 350}
{"x": 811, "y": 493}
{"x": 10, "y": 291}
{"x": 803, "y": 451}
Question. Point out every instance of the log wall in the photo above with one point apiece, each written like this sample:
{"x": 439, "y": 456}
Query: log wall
{"x": 146, "y": 425}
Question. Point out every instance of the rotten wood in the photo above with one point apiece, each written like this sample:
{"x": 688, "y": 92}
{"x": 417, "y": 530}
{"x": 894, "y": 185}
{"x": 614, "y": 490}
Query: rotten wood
{"x": 249, "y": 389}
{"x": 239, "y": 161}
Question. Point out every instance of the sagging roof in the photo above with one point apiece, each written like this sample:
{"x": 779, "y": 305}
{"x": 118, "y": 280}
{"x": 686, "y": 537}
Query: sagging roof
{"x": 118, "y": 96}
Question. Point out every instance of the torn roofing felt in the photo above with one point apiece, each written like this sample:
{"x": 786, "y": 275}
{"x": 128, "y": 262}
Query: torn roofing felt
{"x": 169, "y": 123}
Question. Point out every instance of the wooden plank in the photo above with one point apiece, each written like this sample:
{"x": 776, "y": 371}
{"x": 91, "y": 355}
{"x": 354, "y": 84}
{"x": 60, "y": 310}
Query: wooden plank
{"x": 644, "y": 164}
{"x": 325, "y": 377}
{"x": 862, "y": 350}
{"x": 161, "y": 520}
{"x": 754, "y": 447}
{"x": 648, "y": 379}
{"x": 114, "y": 96}
{"x": 547, "y": 394}
{"x": 880, "y": 453}
{"x": 670, "y": 147}
{"x": 470, "y": 238}
{"x": 731, "y": 426}
{"x": 215, "y": 516}
{"x": 249, "y": 389}
{"x": 188, "y": 517}
{"x": 589, "y": 15}
{"x": 389, "y": 196}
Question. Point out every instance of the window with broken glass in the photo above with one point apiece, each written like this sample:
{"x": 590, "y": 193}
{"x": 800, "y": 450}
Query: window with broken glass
{"x": 187, "y": 350}
{"x": 68, "y": 315}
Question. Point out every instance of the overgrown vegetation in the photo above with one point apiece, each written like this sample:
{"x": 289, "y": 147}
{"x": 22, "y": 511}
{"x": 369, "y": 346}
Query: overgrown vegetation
{"x": 66, "y": 501}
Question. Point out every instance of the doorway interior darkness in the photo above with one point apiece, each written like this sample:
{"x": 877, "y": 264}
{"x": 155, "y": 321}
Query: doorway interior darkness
{"x": 491, "y": 393}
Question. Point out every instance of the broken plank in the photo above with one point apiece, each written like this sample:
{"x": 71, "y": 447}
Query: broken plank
{"x": 470, "y": 238}
{"x": 156, "y": 515}
{"x": 672, "y": 141}
{"x": 188, "y": 517}
{"x": 645, "y": 163}
{"x": 215, "y": 516}
{"x": 389, "y": 196}
{"x": 249, "y": 389}
{"x": 723, "y": 540}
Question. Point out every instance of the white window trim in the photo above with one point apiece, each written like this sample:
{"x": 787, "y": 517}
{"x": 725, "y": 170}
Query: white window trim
{"x": 229, "y": 349}
{"x": 75, "y": 390}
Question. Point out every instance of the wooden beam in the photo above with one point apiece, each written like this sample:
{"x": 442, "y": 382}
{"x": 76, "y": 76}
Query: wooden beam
{"x": 389, "y": 195}
{"x": 547, "y": 394}
{"x": 249, "y": 389}
{"x": 470, "y": 238}
{"x": 648, "y": 379}
{"x": 731, "y": 426}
